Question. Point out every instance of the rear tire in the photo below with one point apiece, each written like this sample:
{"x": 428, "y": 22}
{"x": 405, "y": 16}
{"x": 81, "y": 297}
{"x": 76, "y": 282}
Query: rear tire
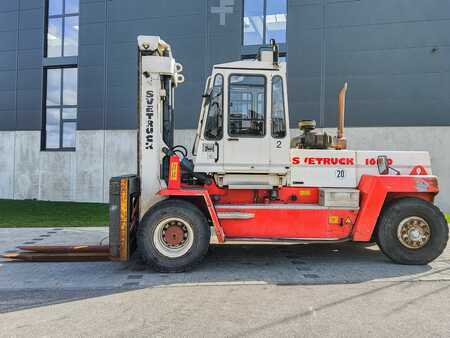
{"x": 173, "y": 236}
{"x": 412, "y": 231}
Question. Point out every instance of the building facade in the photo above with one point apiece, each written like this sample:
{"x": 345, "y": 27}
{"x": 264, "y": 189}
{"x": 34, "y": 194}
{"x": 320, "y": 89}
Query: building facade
{"x": 68, "y": 78}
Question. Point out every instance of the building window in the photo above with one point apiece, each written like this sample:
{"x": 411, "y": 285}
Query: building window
{"x": 61, "y": 108}
{"x": 247, "y": 106}
{"x": 60, "y": 101}
{"x": 62, "y": 28}
{"x": 264, "y": 20}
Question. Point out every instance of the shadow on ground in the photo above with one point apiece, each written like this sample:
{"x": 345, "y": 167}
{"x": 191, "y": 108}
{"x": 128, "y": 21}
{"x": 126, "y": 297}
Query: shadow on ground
{"x": 341, "y": 263}
{"x": 344, "y": 263}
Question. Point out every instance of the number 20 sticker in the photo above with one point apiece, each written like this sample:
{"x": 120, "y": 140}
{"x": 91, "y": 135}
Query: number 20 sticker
{"x": 340, "y": 174}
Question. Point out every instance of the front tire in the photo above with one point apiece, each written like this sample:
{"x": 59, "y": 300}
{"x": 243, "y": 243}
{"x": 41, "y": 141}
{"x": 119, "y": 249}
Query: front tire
{"x": 173, "y": 236}
{"x": 412, "y": 231}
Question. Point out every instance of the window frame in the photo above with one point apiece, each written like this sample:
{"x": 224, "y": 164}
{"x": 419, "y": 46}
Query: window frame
{"x": 61, "y": 107}
{"x": 209, "y": 106}
{"x": 284, "y": 108}
{"x": 264, "y": 105}
{"x": 251, "y": 47}
{"x": 63, "y": 17}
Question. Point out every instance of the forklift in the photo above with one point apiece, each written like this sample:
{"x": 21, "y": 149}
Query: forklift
{"x": 247, "y": 180}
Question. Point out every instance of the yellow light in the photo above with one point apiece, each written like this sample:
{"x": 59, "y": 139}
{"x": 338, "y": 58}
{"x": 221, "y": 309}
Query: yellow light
{"x": 123, "y": 236}
{"x": 305, "y": 192}
{"x": 333, "y": 219}
{"x": 173, "y": 171}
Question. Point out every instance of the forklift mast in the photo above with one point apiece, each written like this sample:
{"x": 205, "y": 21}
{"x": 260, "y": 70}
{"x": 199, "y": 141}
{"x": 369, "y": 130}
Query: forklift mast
{"x": 159, "y": 74}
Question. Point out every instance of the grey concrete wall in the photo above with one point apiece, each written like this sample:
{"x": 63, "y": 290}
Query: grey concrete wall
{"x": 7, "y": 146}
{"x": 28, "y": 173}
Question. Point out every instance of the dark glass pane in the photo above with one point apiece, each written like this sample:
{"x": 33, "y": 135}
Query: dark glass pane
{"x": 69, "y": 133}
{"x": 214, "y": 121}
{"x": 71, "y": 36}
{"x": 247, "y": 106}
{"x": 218, "y": 80}
{"x": 53, "y": 87}
{"x": 253, "y": 22}
{"x": 55, "y": 7}
{"x": 70, "y": 84}
{"x": 72, "y": 6}
{"x": 69, "y": 113}
{"x": 52, "y": 128}
{"x": 54, "y": 37}
{"x": 278, "y": 116}
{"x": 276, "y": 17}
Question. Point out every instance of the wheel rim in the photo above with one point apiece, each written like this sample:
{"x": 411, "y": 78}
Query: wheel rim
{"x": 414, "y": 232}
{"x": 173, "y": 237}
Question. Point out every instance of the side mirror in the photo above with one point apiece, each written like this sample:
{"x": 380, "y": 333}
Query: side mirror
{"x": 383, "y": 165}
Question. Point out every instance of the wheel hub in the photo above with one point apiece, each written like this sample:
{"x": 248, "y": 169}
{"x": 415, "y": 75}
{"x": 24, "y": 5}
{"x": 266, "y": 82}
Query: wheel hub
{"x": 173, "y": 237}
{"x": 414, "y": 232}
{"x": 174, "y": 234}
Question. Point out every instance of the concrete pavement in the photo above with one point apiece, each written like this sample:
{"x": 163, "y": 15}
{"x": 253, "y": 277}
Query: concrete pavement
{"x": 308, "y": 290}
{"x": 385, "y": 309}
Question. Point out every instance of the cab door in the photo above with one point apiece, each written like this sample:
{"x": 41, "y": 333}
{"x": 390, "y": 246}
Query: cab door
{"x": 279, "y": 126}
{"x": 246, "y": 143}
{"x": 209, "y": 152}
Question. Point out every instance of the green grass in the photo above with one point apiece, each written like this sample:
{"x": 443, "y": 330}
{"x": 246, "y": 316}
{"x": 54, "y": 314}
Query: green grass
{"x": 30, "y": 213}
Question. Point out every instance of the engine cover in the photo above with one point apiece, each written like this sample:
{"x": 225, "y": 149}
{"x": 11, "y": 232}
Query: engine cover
{"x": 344, "y": 168}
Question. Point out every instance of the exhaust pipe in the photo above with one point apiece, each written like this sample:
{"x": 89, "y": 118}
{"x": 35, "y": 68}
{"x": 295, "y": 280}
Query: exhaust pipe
{"x": 341, "y": 142}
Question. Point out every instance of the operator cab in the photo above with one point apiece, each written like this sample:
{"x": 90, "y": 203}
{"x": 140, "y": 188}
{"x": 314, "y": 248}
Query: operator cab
{"x": 244, "y": 123}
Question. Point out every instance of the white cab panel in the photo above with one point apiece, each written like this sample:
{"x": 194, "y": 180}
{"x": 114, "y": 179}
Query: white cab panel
{"x": 246, "y": 155}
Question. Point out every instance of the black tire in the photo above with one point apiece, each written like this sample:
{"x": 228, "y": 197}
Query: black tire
{"x": 401, "y": 210}
{"x": 165, "y": 210}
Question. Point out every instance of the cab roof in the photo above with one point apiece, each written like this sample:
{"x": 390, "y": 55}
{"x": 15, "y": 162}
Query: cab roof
{"x": 251, "y": 64}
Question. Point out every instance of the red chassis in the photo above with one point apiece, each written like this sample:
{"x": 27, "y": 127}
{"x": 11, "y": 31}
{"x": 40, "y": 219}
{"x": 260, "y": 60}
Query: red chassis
{"x": 295, "y": 212}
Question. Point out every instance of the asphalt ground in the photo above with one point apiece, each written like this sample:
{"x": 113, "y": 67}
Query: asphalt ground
{"x": 346, "y": 289}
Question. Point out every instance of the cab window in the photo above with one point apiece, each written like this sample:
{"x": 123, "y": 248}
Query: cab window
{"x": 247, "y": 105}
{"x": 214, "y": 120}
{"x": 278, "y": 114}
